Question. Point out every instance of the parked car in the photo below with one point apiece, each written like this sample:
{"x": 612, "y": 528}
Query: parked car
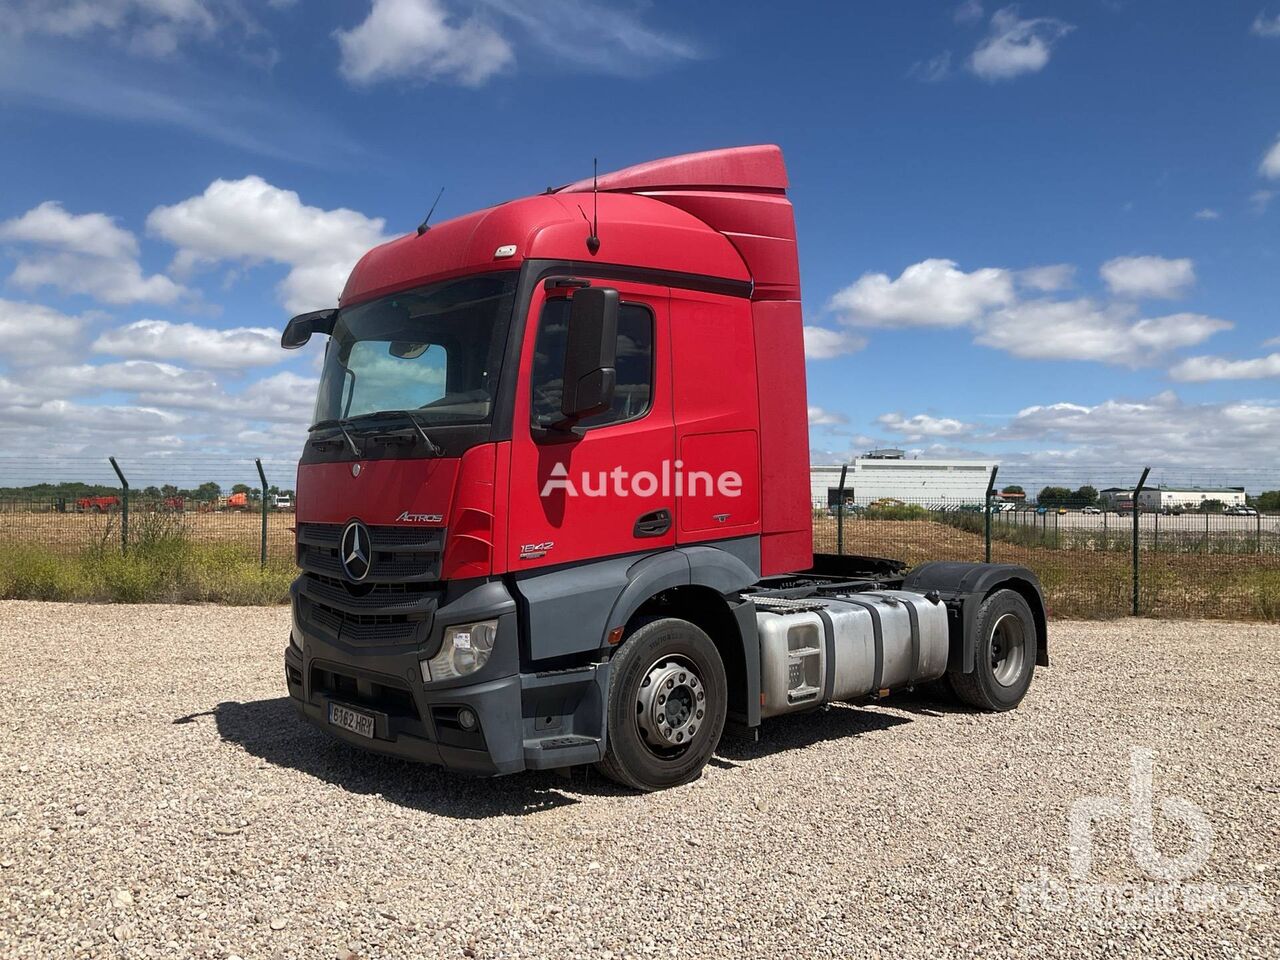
{"x": 1092, "y": 511}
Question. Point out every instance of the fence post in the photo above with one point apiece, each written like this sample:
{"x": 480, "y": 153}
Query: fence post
{"x": 986, "y": 513}
{"x": 124, "y": 508}
{"x": 1137, "y": 516}
{"x": 263, "y": 477}
{"x": 1259, "y": 537}
{"x": 844, "y": 470}
{"x": 1156, "y": 545}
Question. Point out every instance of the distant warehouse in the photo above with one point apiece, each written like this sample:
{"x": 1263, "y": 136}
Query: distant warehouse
{"x": 1171, "y": 498}
{"x": 1190, "y": 498}
{"x": 888, "y": 475}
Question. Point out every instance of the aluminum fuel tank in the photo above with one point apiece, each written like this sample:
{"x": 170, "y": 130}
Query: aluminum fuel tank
{"x": 814, "y": 651}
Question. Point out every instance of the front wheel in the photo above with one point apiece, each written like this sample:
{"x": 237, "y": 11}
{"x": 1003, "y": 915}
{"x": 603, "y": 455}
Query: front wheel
{"x": 667, "y": 703}
{"x": 1005, "y": 653}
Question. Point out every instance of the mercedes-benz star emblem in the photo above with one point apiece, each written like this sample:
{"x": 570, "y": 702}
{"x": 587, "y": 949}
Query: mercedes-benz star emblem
{"x": 356, "y": 551}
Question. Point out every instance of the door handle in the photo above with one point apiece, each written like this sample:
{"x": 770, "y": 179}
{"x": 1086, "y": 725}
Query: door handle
{"x": 653, "y": 524}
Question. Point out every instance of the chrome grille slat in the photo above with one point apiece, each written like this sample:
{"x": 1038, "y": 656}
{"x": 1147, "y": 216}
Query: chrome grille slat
{"x": 398, "y": 553}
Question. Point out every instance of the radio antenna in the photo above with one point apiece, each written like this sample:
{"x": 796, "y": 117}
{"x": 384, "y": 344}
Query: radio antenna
{"x": 422, "y": 227}
{"x": 593, "y": 241}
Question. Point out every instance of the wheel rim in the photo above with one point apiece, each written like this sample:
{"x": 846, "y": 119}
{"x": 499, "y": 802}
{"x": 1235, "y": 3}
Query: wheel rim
{"x": 670, "y": 707}
{"x": 1008, "y": 649}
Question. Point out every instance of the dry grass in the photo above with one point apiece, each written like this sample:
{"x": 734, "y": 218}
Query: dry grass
{"x": 72, "y": 532}
{"x": 1084, "y": 582}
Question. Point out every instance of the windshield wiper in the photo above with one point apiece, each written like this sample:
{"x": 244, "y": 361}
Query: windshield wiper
{"x": 342, "y": 425}
{"x": 409, "y": 415}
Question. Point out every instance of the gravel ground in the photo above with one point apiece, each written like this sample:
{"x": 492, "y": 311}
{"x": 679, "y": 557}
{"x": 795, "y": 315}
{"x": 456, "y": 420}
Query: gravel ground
{"x": 158, "y": 798}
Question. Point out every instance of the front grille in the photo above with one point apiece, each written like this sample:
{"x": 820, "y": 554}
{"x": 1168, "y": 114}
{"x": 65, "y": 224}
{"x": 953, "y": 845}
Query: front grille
{"x": 398, "y": 553}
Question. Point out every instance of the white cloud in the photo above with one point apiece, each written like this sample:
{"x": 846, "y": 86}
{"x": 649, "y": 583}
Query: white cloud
{"x": 819, "y": 417}
{"x": 50, "y": 225}
{"x": 594, "y": 35}
{"x": 201, "y": 346}
{"x": 822, "y": 344}
{"x": 1265, "y": 25}
{"x": 284, "y": 397}
{"x": 932, "y": 293}
{"x": 967, "y": 12}
{"x": 1270, "y": 166}
{"x": 932, "y": 70}
{"x": 85, "y": 254}
{"x": 418, "y": 39}
{"x": 31, "y": 333}
{"x": 1015, "y": 46}
{"x": 1148, "y": 276}
{"x": 1207, "y": 213}
{"x": 1047, "y": 279}
{"x": 1085, "y": 330}
{"x": 1261, "y": 199}
{"x": 250, "y": 221}
{"x": 1200, "y": 369}
{"x": 129, "y": 376}
{"x": 109, "y": 281}
{"x": 922, "y": 425}
{"x": 154, "y": 28}
{"x": 1161, "y": 430}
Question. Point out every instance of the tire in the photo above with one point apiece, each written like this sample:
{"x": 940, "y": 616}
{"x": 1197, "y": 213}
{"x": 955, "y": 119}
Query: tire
{"x": 1006, "y": 645}
{"x": 662, "y": 657}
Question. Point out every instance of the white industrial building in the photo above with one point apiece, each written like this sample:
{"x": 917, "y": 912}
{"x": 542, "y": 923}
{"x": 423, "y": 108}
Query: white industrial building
{"x": 1189, "y": 498}
{"x": 888, "y": 474}
{"x": 1170, "y": 498}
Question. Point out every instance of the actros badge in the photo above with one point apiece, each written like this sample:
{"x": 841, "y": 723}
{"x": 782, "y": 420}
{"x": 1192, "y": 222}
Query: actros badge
{"x": 408, "y": 517}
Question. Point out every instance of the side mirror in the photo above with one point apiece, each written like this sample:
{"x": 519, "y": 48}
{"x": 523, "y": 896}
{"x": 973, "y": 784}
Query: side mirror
{"x": 590, "y": 345}
{"x": 299, "y": 330}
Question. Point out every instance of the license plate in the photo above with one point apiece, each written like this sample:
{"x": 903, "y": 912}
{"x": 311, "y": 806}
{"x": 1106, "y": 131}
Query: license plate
{"x": 353, "y": 720}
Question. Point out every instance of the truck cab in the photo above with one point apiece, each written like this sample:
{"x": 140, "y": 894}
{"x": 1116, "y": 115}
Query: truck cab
{"x": 557, "y": 470}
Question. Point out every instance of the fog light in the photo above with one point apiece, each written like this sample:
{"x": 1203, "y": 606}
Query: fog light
{"x": 467, "y": 719}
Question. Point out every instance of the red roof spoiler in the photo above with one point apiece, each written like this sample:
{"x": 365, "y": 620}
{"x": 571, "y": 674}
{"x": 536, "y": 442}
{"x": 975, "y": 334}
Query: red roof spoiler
{"x": 752, "y": 168}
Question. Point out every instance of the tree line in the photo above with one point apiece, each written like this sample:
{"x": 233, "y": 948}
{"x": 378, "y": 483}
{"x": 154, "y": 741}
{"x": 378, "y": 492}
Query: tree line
{"x": 73, "y": 490}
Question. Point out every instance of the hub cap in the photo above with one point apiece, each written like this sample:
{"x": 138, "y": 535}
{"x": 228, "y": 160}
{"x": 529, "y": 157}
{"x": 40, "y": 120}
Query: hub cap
{"x": 670, "y": 706}
{"x": 1008, "y": 648}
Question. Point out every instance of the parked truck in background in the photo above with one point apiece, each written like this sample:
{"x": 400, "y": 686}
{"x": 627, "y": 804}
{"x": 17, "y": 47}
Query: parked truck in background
{"x": 509, "y": 558}
{"x": 97, "y": 504}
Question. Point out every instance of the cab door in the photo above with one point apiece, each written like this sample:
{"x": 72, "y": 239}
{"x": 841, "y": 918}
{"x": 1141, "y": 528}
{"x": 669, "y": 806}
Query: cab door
{"x": 605, "y": 490}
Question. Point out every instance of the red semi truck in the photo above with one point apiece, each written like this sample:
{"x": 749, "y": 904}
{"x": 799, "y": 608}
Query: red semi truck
{"x": 554, "y": 507}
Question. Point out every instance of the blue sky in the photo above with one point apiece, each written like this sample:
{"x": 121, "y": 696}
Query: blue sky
{"x": 1044, "y": 232}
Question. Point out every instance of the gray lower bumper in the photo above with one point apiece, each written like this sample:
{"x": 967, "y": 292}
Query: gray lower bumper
{"x": 526, "y": 720}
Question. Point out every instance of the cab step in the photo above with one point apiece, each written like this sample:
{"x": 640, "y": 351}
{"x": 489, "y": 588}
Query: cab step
{"x": 562, "y": 751}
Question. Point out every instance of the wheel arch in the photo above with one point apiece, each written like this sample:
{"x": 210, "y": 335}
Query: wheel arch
{"x": 966, "y": 586}
{"x": 722, "y": 621}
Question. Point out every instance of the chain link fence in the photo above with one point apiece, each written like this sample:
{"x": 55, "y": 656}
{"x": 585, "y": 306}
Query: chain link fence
{"x": 1172, "y": 545}
{"x": 1188, "y": 547}
{"x": 244, "y": 507}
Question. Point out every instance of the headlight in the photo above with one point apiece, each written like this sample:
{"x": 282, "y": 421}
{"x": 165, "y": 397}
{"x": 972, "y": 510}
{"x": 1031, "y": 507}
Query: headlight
{"x": 466, "y": 648}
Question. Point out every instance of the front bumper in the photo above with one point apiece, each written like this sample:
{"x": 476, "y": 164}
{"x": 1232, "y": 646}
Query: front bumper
{"x": 526, "y": 720}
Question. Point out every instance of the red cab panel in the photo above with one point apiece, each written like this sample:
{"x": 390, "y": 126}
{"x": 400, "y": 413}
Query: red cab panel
{"x": 377, "y": 491}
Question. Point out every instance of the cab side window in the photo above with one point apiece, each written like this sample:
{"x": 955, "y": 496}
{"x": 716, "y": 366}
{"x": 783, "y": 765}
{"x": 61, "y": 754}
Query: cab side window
{"x": 634, "y": 364}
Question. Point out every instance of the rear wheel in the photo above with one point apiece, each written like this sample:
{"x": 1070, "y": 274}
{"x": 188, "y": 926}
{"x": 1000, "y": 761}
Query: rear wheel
{"x": 1006, "y": 645}
{"x": 667, "y": 702}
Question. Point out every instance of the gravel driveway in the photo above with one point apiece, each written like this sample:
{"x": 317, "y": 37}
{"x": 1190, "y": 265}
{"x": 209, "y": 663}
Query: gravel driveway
{"x": 158, "y": 798}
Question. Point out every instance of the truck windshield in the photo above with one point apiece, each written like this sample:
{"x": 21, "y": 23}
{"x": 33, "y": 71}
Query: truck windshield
{"x": 436, "y": 351}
